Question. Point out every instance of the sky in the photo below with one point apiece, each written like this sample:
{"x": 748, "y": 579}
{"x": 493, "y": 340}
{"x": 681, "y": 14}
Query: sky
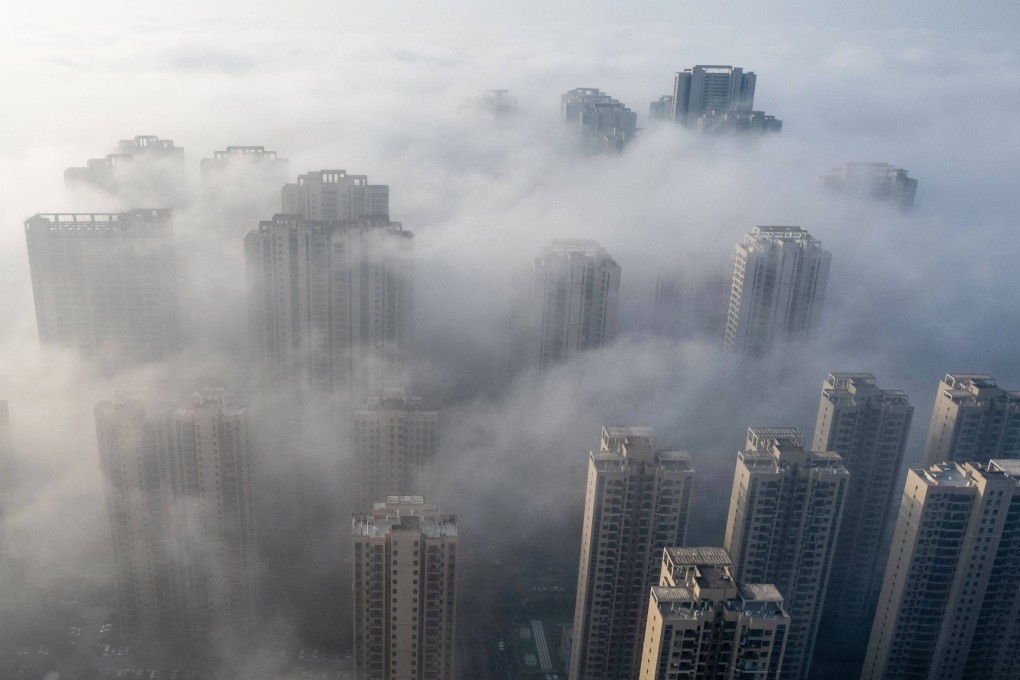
{"x": 381, "y": 90}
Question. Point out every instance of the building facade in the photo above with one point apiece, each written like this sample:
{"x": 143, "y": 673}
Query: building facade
{"x": 703, "y": 89}
{"x": 599, "y": 122}
{"x": 395, "y": 440}
{"x": 704, "y": 623}
{"x": 330, "y": 304}
{"x": 877, "y": 181}
{"x": 178, "y": 496}
{"x": 335, "y": 195}
{"x": 106, "y": 284}
{"x": 778, "y": 290}
{"x": 973, "y": 420}
{"x": 636, "y": 504}
{"x": 950, "y": 601}
{"x": 405, "y": 591}
{"x": 784, "y": 516}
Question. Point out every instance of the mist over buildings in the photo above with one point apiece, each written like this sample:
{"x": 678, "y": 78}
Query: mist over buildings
{"x": 911, "y": 295}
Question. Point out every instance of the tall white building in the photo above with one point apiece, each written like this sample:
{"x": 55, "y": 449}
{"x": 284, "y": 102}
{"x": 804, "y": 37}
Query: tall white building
{"x": 178, "y": 496}
{"x": 868, "y": 427}
{"x": 575, "y": 288}
{"x": 878, "y": 181}
{"x": 335, "y": 195}
{"x": 973, "y": 420}
{"x": 950, "y": 601}
{"x": 784, "y": 516}
{"x": 106, "y": 284}
{"x": 405, "y": 591}
{"x": 778, "y": 289}
{"x": 636, "y": 504}
{"x": 395, "y": 440}
{"x": 704, "y": 623}
{"x": 598, "y": 121}
{"x": 330, "y": 304}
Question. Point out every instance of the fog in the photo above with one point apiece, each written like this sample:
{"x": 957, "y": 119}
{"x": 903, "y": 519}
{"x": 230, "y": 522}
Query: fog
{"x": 382, "y": 92}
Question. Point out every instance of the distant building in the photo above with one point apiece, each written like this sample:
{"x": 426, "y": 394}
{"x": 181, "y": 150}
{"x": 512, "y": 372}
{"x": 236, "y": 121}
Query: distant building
{"x": 705, "y": 623}
{"x": 973, "y": 420}
{"x": 335, "y": 195}
{"x": 330, "y": 304}
{"x": 499, "y": 102}
{"x": 243, "y": 156}
{"x": 405, "y": 591}
{"x": 575, "y": 288}
{"x": 636, "y": 505}
{"x": 598, "y": 121}
{"x": 662, "y": 109}
{"x": 784, "y": 516}
{"x": 878, "y": 181}
{"x": 105, "y": 284}
{"x": 395, "y": 439}
{"x": 691, "y": 298}
{"x": 714, "y": 99}
{"x": 243, "y": 183}
{"x": 779, "y": 280}
{"x": 178, "y": 495}
{"x": 950, "y": 599}
{"x": 145, "y": 168}
{"x": 716, "y": 122}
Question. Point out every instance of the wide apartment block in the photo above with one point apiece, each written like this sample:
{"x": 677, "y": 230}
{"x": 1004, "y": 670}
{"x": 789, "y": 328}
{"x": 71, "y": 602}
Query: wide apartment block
{"x": 395, "y": 440}
{"x": 877, "y": 181}
{"x": 784, "y": 516}
{"x": 405, "y": 591}
{"x": 599, "y": 122}
{"x": 973, "y": 420}
{"x": 178, "y": 496}
{"x": 705, "y": 623}
{"x": 778, "y": 289}
{"x": 330, "y": 304}
{"x": 335, "y": 195}
{"x": 575, "y": 289}
{"x": 636, "y": 504}
{"x": 105, "y": 284}
{"x": 868, "y": 427}
{"x": 950, "y": 601}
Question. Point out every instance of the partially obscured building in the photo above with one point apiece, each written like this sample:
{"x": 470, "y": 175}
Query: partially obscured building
{"x": 599, "y": 122}
{"x": 784, "y": 516}
{"x": 878, "y": 181}
{"x": 950, "y": 601}
{"x": 691, "y": 298}
{"x": 703, "y": 89}
{"x": 661, "y": 109}
{"x": 636, "y": 505}
{"x": 145, "y": 168}
{"x": 405, "y": 591}
{"x": 704, "y": 623}
{"x": 105, "y": 284}
{"x": 973, "y": 420}
{"x": 335, "y": 195}
{"x": 716, "y": 122}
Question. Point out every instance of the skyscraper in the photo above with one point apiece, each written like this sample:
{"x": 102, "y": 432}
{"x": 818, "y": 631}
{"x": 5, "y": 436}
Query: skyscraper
{"x": 405, "y": 591}
{"x": 779, "y": 280}
{"x": 330, "y": 303}
{"x": 705, "y": 623}
{"x": 106, "y": 284}
{"x": 868, "y": 427}
{"x": 178, "y": 495}
{"x": 599, "y": 122}
{"x": 973, "y": 420}
{"x": 950, "y": 601}
{"x": 636, "y": 505}
{"x": 784, "y": 516}
{"x": 145, "y": 170}
{"x": 395, "y": 441}
{"x": 335, "y": 195}
{"x": 878, "y": 181}
{"x": 704, "y": 89}
{"x": 575, "y": 286}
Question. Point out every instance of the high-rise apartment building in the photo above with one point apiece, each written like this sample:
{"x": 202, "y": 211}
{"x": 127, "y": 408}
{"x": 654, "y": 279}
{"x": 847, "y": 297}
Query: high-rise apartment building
{"x": 704, "y": 623}
{"x": 636, "y": 505}
{"x": 973, "y": 420}
{"x": 330, "y": 303}
{"x": 778, "y": 288}
{"x": 661, "y": 109}
{"x": 395, "y": 439}
{"x": 335, "y": 195}
{"x": 878, "y": 181}
{"x": 405, "y": 591}
{"x": 690, "y": 299}
{"x": 950, "y": 602}
{"x": 145, "y": 168}
{"x": 868, "y": 427}
{"x": 704, "y": 89}
{"x": 598, "y": 121}
{"x": 575, "y": 286}
{"x": 178, "y": 495}
{"x": 106, "y": 284}
{"x": 784, "y": 516}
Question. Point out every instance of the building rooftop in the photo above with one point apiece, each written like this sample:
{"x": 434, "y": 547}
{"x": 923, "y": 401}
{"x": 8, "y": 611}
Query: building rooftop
{"x": 680, "y": 555}
{"x": 404, "y": 513}
{"x": 1010, "y": 467}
